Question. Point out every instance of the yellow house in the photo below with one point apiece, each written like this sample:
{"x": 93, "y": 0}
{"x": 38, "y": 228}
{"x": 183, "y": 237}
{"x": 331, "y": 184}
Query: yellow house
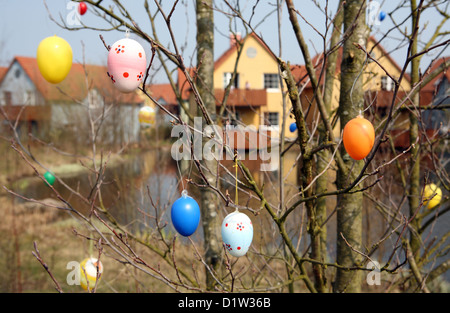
{"x": 257, "y": 71}
{"x": 255, "y": 97}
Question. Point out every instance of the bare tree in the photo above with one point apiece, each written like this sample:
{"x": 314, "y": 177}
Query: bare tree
{"x": 301, "y": 246}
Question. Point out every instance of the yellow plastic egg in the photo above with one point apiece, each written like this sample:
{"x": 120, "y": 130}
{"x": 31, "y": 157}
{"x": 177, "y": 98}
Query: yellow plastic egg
{"x": 147, "y": 115}
{"x": 432, "y": 196}
{"x": 54, "y": 57}
{"x": 88, "y": 273}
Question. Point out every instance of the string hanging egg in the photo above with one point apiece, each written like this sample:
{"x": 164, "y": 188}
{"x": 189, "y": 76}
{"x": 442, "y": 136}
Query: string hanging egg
{"x": 54, "y": 57}
{"x": 237, "y": 233}
{"x": 185, "y": 214}
{"x": 358, "y": 137}
{"x": 382, "y": 16}
{"x": 126, "y": 64}
{"x": 89, "y": 268}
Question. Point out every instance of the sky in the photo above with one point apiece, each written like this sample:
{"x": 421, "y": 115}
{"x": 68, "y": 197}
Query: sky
{"x": 24, "y": 23}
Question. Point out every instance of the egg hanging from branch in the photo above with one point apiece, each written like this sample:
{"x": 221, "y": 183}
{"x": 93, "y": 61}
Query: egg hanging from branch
{"x": 147, "y": 116}
{"x": 82, "y": 8}
{"x": 358, "y": 137}
{"x": 126, "y": 64}
{"x": 432, "y": 196}
{"x": 54, "y": 57}
{"x": 50, "y": 178}
{"x": 90, "y": 270}
{"x": 185, "y": 214}
{"x": 293, "y": 127}
{"x": 237, "y": 233}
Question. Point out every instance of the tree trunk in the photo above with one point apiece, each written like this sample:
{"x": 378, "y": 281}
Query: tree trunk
{"x": 414, "y": 187}
{"x": 323, "y": 156}
{"x": 351, "y": 103}
{"x": 205, "y": 85}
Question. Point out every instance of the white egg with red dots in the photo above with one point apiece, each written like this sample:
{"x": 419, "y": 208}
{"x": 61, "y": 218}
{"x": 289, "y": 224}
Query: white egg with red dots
{"x": 237, "y": 233}
{"x": 127, "y": 64}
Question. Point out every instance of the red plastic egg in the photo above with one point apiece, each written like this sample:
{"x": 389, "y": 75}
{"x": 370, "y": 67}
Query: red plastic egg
{"x": 358, "y": 137}
{"x": 82, "y": 8}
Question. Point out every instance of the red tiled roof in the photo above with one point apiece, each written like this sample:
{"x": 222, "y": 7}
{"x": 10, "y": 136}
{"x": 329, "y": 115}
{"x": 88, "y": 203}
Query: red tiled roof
{"x": 431, "y": 86}
{"x": 163, "y": 91}
{"x": 3, "y": 71}
{"x": 428, "y": 92}
{"x": 77, "y": 83}
{"x": 183, "y": 84}
{"x": 299, "y": 73}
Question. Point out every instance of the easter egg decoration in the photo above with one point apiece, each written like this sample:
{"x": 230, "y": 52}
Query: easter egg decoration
{"x": 82, "y": 8}
{"x": 89, "y": 268}
{"x": 432, "y": 196}
{"x": 50, "y": 178}
{"x": 185, "y": 214}
{"x": 126, "y": 64}
{"x": 147, "y": 116}
{"x": 237, "y": 233}
{"x": 54, "y": 57}
{"x": 382, "y": 16}
{"x": 358, "y": 137}
{"x": 293, "y": 127}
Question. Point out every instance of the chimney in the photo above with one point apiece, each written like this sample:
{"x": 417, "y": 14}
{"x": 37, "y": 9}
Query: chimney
{"x": 234, "y": 38}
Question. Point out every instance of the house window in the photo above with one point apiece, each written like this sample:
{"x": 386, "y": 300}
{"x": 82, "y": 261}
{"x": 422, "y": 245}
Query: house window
{"x": 271, "y": 118}
{"x": 226, "y": 80}
{"x": 29, "y": 97}
{"x": 387, "y": 83}
{"x": 7, "y": 97}
{"x": 270, "y": 81}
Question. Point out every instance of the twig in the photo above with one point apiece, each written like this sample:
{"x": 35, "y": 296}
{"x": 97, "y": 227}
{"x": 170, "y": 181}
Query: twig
{"x": 37, "y": 255}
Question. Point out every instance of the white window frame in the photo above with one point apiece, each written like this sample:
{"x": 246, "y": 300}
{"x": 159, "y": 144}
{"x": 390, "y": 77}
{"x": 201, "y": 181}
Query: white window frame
{"x": 274, "y": 79}
{"x": 269, "y": 116}
{"x": 227, "y": 77}
{"x": 387, "y": 83}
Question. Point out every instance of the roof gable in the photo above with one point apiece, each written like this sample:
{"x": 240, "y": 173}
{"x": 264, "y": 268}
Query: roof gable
{"x": 234, "y": 48}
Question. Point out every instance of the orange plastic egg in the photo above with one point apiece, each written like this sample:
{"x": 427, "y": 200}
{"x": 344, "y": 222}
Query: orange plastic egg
{"x": 358, "y": 137}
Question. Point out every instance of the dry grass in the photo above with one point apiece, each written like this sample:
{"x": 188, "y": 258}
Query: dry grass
{"x": 52, "y": 230}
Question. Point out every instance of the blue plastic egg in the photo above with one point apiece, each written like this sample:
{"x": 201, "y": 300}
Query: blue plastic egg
{"x": 237, "y": 233}
{"x": 185, "y": 215}
{"x": 293, "y": 127}
{"x": 382, "y": 16}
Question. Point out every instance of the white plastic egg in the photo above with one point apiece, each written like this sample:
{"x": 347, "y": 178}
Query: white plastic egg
{"x": 237, "y": 233}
